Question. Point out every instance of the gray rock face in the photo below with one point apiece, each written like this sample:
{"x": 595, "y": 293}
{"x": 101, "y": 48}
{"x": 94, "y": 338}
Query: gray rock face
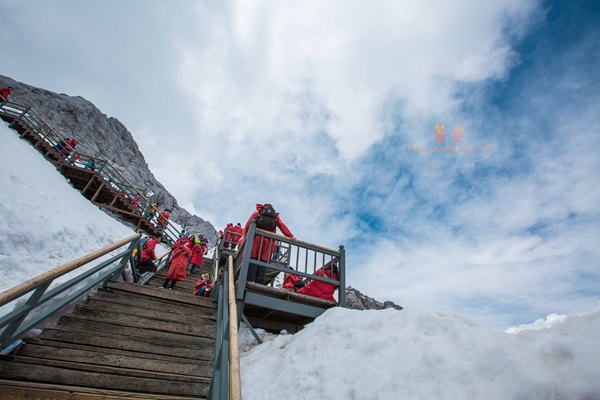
{"x": 358, "y": 301}
{"x": 99, "y": 135}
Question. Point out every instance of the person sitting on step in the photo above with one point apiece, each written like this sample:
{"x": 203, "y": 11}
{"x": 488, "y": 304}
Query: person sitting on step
{"x": 203, "y": 286}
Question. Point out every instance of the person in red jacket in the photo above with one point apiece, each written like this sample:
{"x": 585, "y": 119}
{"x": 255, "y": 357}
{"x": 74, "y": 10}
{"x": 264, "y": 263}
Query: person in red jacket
{"x": 322, "y": 290}
{"x": 289, "y": 280}
{"x": 266, "y": 219}
{"x": 235, "y": 237}
{"x": 203, "y": 286}
{"x": 136, "y": 201}
{"x": 5, "y": 92}
{"x": 163, "y": 220}
{"x": 229, "y": 236}
{"x": 179, "y": 262}
{"x": 148, "y": 255}
{"x": 198, "y": 252}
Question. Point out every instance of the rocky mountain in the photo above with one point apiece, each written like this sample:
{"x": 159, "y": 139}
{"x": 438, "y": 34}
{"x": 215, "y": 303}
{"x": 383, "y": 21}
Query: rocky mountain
{"x": 358, "y": 301}
{"x": 101, "y": 135}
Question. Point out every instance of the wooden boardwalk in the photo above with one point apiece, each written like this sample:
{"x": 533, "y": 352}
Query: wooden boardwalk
{"x": 129, "y": 341}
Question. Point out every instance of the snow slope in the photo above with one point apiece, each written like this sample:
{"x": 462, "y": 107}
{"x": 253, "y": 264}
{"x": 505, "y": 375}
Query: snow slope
{"x": 44, "y": 222}
{"x": 390, "y": 354}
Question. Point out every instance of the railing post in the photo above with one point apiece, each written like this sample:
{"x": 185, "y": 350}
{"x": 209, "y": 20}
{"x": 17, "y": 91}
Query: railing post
{"x": 5, "y": 339}
{"x": 113, "y": 277}
{"x": 342, "y": 289}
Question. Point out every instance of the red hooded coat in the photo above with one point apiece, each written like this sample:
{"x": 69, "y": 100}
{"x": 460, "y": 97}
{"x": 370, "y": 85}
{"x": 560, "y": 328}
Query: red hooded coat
{"x": 179, "y": 262}
{"x": 289, "y": 280}
{"x": 148, "y": 250}
{"x": 5, "y": 92}
{"x": 322, "y": 290}
{"x": 163, "y": 218}
{"x": 198, "y": 253}
{"x": 267, "y": 251}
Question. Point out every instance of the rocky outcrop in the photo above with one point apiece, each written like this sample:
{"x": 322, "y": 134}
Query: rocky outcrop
{"x": 100, "y": 135}
{"x": 358, "y": 301}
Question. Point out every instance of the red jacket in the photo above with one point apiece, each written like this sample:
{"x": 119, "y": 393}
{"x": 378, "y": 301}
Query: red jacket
{"x": 201, "y": 283}
{"x": 179, "y": 262}
{"x": 148, "y": 250}
{"x": 267, "y": 251}
{"x": 289, "y": 280}
{"x": 198, "y": 253}
{"x": 136, "y": 201}
{"x": 163, "y": 218}
{"x": 238, "y": 232}
{"x": 5, "y": 92}
{"x": 228, "y": 235}
{"x": 322, "y": 290}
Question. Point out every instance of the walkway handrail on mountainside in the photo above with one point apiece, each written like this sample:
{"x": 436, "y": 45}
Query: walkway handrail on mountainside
{"x": 226, "y": 382}
{"x": 15, "y": 323}
{"x": 103, "y": 166}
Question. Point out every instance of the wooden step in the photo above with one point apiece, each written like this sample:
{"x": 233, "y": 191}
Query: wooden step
{"x": 22, "y": 390}
{"x": 165, "y": 314}
{"x": 194, "y": 326}
{"x": 133, "y": 331}
{"x": 101, "y": 380}
{"x": 163, "y": 294}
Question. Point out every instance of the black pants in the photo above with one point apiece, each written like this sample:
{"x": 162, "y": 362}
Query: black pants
{"x": 147, "y": 265}
{"x": 169, "y": 283}
{"x": 256, "y": 273}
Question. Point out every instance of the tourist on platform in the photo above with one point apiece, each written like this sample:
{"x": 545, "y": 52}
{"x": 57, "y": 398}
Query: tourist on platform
{"x": 322, "y": 290}
{"x": 135, "y": 203}
{"x": 91, "y": 165}
{"x": 179, "y": 262}
{"x": 269, "y": 220}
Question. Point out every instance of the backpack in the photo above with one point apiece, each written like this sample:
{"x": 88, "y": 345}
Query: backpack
{"x": 267, "y": 219}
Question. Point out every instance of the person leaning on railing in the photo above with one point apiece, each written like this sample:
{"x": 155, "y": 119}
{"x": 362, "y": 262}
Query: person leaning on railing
{"x": 322, "y": 290}
{"x": 148, "y": 255}
{"x": 269, "y": 220}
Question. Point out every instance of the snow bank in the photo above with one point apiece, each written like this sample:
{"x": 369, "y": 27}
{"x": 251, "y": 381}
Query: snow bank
{"x": 389, "y": 354}
{"x": 44, "y": 222}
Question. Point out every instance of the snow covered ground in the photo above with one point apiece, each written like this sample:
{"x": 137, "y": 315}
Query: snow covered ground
{"x": 44, "y": 222}
{"x": 425, "y": 355}
{"x": 344, "y": 354}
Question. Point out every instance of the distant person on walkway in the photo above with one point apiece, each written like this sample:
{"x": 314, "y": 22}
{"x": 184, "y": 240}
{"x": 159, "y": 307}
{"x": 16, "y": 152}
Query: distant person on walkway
{"x": 238, "y": 232}
{"x": 135, "y": 203}
{"x": 179, "y": 262}
{"x": 203, "y": 286}
{"x": 269, "y": 220}
{"x": 148, "y": 255}
{"x": 322, "y": 290}
{"x": 150, "y": 211}
{"x": 91, "y": 165}
{"x": 163, "y": 219}
{"x": 5, "y": 93}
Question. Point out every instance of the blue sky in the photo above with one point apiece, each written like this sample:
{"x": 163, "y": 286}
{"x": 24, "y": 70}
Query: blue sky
{"x": 314, "y": 107}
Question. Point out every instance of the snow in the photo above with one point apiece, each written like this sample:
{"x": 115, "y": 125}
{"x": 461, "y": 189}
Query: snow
{"x": 344, "y": 354}
{"x": 44, "y": 222}
{"x": 390, "y": 354}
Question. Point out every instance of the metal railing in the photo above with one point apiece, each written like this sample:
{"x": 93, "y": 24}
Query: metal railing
{"x": 106, "y": 168}
{"x": 16, "y": 322}
{"x": 280, "y": 254}
{"x": 226, "y": 382}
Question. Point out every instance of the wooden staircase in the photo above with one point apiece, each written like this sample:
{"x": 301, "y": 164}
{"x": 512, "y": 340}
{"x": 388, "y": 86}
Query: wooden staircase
{"x": 128, "y": 341}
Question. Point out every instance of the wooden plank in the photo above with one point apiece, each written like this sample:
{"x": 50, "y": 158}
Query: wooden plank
{"x": 162, "y": 294}
{"x": 116, "y": 341}
{"x": 134, "y": 332}
{"x": 44, "y": 373}
{"x": 205, "y": 359}
{"x": 131, "y": 361}
{"x": 193, "y": 326}
{"x": 105, "y": 369}
{"x": 165, "y": 315}
{"x": 44, "y": 391}
{"x": 164, "y": 305}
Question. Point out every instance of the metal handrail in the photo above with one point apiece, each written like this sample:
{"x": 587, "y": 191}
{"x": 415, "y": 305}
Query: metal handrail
{"x": 13, "y": 322}
{"x": 226, "y": 381}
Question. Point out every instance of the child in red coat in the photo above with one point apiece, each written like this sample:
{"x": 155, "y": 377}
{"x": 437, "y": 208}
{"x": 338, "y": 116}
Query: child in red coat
{"x": 203, "y": 286}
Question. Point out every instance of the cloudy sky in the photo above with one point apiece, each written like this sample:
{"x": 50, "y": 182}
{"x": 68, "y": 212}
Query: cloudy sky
{"x": 328, "y": 110}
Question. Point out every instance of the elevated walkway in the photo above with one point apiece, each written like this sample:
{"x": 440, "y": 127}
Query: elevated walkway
{"x": 103, "y": 184}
